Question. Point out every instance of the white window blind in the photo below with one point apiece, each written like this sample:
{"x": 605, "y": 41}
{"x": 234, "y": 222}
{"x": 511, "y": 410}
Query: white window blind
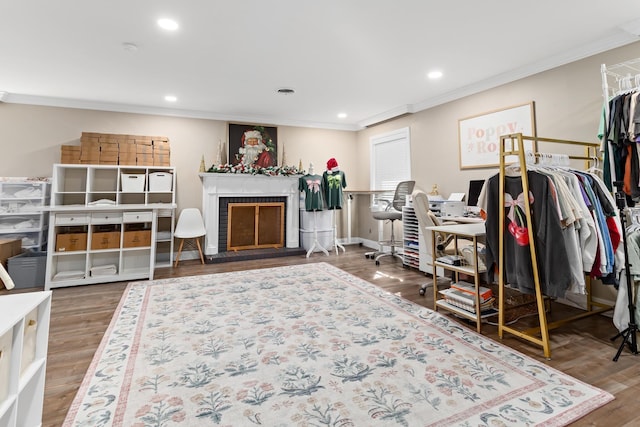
{"x": 390, "y": 159}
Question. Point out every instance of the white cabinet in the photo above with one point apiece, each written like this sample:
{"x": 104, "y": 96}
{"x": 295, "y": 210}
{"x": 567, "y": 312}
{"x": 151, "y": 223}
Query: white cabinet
{"x": 24, "y": 334}
{"x": 21, "y": 210}
{"x": 109, "y": 223}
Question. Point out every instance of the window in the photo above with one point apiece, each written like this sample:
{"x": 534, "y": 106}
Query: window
{"x": 390, "y": 159}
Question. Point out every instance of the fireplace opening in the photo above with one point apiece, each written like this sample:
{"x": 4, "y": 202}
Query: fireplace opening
{"x": 255, "y": 225}
{"x": 251, "y": 223}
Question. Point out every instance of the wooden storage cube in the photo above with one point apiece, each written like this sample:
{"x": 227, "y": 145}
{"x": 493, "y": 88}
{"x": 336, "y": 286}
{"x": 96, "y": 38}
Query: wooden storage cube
{"x": 105, "y": 240}
{"x": 69, "y": 242}
{"x": 136, "y": 238}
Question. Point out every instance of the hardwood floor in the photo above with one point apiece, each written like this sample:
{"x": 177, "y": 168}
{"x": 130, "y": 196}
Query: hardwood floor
{"x": 80, "y": 316}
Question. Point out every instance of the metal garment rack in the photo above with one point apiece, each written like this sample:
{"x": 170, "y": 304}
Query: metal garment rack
{"x": 538, "y": 335}
{"x": 617, "y": 79}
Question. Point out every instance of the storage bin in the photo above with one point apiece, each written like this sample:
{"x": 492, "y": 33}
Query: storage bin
{"x": 28, "y": 269}
{"x": 322, "y": 219}
{"x": 69, "y": 242}
{"x": 160, "y": 181}
{"x": 325, "y": 239}
{"x": 132, "y": 182}
{"x": 105, "y": 240}
{"x": 136, "y": 238}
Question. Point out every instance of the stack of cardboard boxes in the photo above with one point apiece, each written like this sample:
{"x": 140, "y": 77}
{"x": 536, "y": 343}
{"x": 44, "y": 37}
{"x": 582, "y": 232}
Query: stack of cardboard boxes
{"x": 115, "y": 149}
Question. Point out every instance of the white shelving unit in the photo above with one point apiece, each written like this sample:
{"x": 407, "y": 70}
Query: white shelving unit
{"x": 109, "y": 223}
{"x": 21, "y": 210}
{"x": 412, "y": 234}
{"x": 24, "y": 336}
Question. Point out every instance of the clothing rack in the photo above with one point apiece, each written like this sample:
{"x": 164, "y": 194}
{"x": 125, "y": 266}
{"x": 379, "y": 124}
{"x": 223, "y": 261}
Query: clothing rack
{"x": 538, "y": 335}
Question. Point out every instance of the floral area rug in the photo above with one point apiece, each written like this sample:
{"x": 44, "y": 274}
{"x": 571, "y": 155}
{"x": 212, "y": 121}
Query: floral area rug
{"x": 308, "y": 345}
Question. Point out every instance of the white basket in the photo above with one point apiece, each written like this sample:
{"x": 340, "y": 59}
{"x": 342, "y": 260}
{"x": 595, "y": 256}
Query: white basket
{"x": 160, "y": 181}
{"x": 132, "y": 182}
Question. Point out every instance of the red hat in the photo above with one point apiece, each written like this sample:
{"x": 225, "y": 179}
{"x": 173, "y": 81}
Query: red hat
{"x": 332, "y": 163}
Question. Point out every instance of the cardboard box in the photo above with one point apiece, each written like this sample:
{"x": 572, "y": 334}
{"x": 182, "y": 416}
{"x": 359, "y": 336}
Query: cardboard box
{"x": 105, "y": 240}
{"x": 9, "y": 248}
{"x": 144, "y": 149}
{"x": 144, "y": 160}
{"x": 70, "y": 242}
{"x": 127, "y": 147}
{"x": 109, "y": 147}
{"x": 109, "y": 157}
{"x": 90, "y": 152}
{"x": 70, "y": 154}
{"x": 127, "y": 159}
{"x": 161, "y": 161}
{"x": 136, "y": 238}
{"x": 161, "y": 143}
{"x": 143, "y": 140}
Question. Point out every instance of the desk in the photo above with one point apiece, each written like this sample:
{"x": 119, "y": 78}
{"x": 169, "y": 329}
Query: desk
{"x": 462, "y": 219}
{"x": 472, "y": 232}
{"x": 350, "y": 194}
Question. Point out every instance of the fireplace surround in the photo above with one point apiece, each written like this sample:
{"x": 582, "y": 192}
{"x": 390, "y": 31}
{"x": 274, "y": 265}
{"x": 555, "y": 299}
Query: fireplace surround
{"x": 217, "y": 186}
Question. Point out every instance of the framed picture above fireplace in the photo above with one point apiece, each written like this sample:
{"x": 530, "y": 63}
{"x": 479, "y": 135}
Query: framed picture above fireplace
{"x": 253, "y": 145}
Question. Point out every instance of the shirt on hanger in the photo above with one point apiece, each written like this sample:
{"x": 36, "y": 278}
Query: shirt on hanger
{"x": 312, "y": 187}
{"x": 334, "y": 182}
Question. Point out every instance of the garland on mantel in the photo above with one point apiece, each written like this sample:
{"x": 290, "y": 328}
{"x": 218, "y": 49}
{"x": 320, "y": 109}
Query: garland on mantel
{"x": 241, "y": 168}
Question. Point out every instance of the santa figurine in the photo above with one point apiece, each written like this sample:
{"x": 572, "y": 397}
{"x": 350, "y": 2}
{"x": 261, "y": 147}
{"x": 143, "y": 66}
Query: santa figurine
{"x": 254, "y": 151}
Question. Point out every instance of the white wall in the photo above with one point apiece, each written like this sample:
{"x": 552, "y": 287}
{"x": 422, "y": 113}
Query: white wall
{"x": 31, "y": 136}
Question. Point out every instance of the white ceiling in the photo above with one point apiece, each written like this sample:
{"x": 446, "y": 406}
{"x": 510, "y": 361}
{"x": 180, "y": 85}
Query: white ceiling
{"x": 366, "y": 58}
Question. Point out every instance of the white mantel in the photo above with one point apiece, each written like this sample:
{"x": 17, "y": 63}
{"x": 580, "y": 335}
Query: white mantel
{"x": 216, "y": 185}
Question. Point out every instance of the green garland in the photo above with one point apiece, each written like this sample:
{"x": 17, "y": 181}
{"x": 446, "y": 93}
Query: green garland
{"x": 241, "y": 168}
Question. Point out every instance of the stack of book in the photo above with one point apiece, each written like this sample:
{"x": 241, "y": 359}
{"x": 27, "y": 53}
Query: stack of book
{"x": 462, "y": 295}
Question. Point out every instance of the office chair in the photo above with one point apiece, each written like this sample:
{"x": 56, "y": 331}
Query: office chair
{"x": 190, "y": 226}
{"x": 444, "y": 242}
{"x": 392, "y": 213}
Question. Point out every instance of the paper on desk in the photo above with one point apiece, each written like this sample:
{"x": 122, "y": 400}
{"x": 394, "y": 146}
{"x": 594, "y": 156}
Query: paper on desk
{"x": 456, "y": 197}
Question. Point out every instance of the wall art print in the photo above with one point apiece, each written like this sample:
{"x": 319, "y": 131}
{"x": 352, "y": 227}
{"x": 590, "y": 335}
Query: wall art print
{"x": 479, "y": 136}
{"x": 253, "y": 145}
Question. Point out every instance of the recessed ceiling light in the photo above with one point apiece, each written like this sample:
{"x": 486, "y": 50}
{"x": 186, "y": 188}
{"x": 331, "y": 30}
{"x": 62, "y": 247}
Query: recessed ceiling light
{"x": 434, "y": 74}
{"x": 342, "y": 115}
{"x": 286, "y": 91}
{"x": 170, "y": 98}
{"x": 168, "y": 24}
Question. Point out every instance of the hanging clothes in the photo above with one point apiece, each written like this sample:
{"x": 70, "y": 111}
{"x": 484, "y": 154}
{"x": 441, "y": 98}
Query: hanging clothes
{"x": 555, "y": 277}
